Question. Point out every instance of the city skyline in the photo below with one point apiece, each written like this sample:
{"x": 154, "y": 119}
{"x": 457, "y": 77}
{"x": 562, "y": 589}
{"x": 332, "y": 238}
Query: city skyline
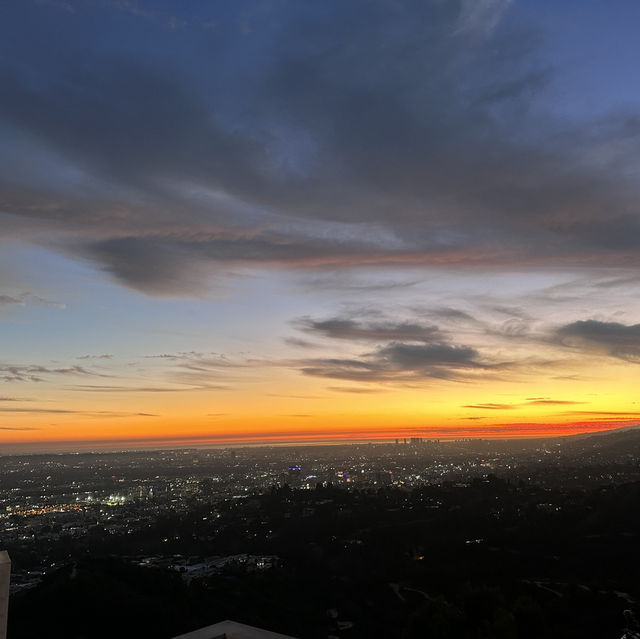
{"x": 273, "y": 221}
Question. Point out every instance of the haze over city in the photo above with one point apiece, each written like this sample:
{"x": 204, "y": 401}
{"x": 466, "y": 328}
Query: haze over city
{"x": 282, "y": 221}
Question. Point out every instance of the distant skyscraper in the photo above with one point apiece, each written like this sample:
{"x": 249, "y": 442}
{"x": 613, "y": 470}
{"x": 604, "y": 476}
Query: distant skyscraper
{"x": 5, "y": 574}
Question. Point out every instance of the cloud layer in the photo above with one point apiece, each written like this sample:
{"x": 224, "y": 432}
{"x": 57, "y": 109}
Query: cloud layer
{"x": 609, "y": 338}
{"x": 300, "y": 135}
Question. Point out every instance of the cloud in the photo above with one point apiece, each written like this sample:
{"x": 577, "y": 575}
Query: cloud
{"x": 344, "y": 281}
{"x": 358, "y": 390}
{"x": 552, "y": 402}
{"x": 609, "y": 338}
{"x": 41, "y": 301}
{"x": 529, "y": 402}
{"x": 197, "y": 358}
{"x": 7, "y": 300}
{"x": 405, "y": 350}
{"x": 491, "y": 406}
{"x": 19, "y": 428}
{"x": 53, "y": 411}
{"x": 296, "y": 396}
{"x": 452, "y": 314}
{"x": 60, "y": 411}
{"x": 29, "y": 298}
{"x": 103, "y": 356}
{"x": 603, "y": 413}
{"x": 98, "y": 388}
{"x": 481, "y": 16}
{"x": 513, "y": 328}
{"x": 38, "y": 373}
{"x": 399, "y": 362}
{"x": 177, "y": 372}
{"x": 343, "y": 135}
{"x": 420, "y": 355}
{"x": 341, "y": 328}
{"x": 512, "y": 311}
{"x": 299, "y": 343}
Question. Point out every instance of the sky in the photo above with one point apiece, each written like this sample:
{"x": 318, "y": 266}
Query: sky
{"x": 324, "y": 220}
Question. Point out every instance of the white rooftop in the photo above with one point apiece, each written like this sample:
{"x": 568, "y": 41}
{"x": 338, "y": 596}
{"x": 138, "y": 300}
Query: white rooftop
{"x": 232, "y": 630}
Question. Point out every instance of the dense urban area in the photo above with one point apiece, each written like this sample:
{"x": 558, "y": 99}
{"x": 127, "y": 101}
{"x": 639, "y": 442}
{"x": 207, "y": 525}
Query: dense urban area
{"x": 415, "y": 538}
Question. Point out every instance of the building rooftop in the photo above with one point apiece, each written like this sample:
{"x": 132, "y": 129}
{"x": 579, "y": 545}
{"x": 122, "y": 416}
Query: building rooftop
{"x": 232, "y": 630}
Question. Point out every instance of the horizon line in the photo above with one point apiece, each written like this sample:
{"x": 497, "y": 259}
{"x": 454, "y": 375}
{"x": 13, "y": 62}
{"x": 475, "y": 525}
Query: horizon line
{"x": 528, "y": 431}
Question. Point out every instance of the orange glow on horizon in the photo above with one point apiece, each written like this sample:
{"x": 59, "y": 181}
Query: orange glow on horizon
{"x": 334, "y": 436}
{"x": 275, "y": 405}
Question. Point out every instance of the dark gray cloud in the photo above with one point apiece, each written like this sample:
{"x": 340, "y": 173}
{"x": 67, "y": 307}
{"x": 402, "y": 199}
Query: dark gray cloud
{"x": 176, "y": 263}
{"x": 131, "y": 123}
{"x": 609, "y": 338}
{"x": 316, "y": 135}
{"x": 344, "y": 328}
{"x": 420, "y": 355}
{"x": 399, "y": 362}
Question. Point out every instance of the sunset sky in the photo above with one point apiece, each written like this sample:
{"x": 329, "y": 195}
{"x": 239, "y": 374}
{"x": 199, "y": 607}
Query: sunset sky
{"x": 273, "y": 220}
